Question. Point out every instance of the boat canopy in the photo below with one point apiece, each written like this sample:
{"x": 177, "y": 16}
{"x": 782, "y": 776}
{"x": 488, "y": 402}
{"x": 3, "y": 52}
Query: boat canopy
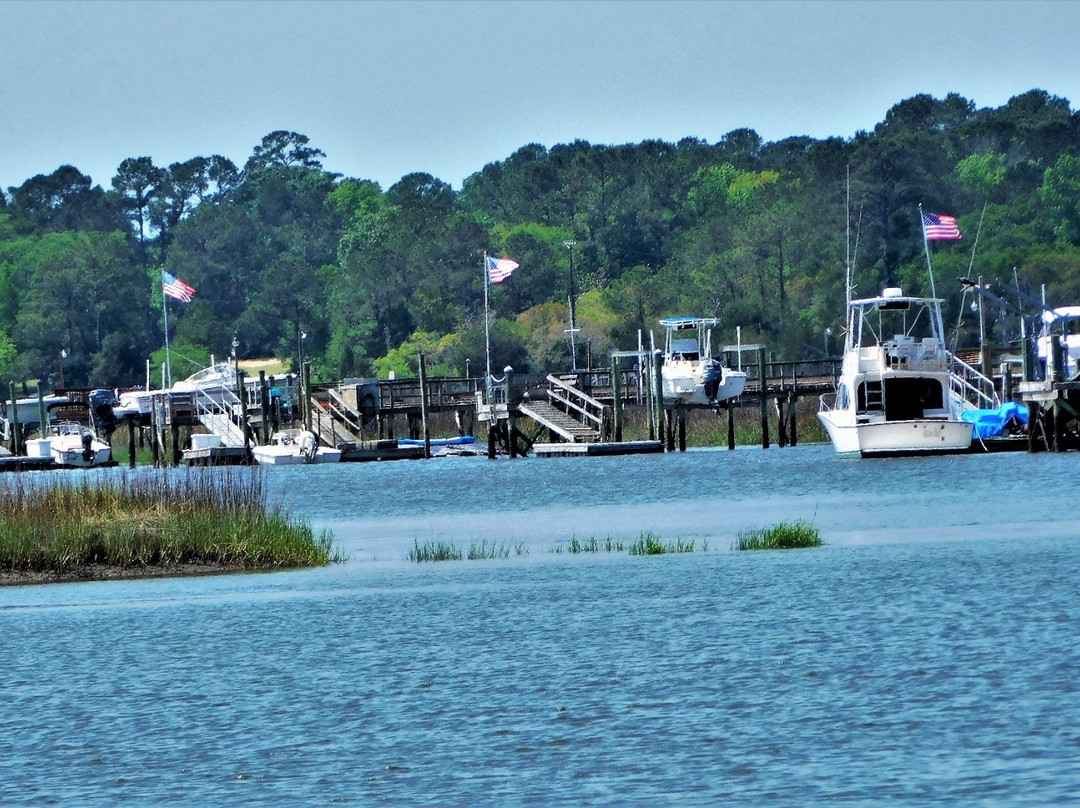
{"x": 679, "y": 323}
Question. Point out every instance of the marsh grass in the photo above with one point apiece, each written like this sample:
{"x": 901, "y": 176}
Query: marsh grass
{"x": 217, "y": 517}
{"x": 707, "y": 428}
{"x": 593, "y": 545}
{"x": 144, "y": 455}
{"x": 440, "y": 550}
{"x": 435, "y": 550}
{"x": 491, "y": 550}
{"x": 784, "y": 536}
{"x": 650, "y": 544}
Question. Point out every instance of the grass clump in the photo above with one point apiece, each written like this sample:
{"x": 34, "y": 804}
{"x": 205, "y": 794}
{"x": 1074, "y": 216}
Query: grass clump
{"x": 435, "y": 550}
{"x": 650, "y": 544}
{"x": 784, "y": 536}
{"x": 485, "y": 551}
{"x": 593, "y": 545}
{"x": 216, "y": 517}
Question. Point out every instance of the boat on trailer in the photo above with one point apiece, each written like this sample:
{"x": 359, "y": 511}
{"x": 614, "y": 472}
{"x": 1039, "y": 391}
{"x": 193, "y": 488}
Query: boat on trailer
{"x": 690, "y": 373}
{"x": 895, "y": 392}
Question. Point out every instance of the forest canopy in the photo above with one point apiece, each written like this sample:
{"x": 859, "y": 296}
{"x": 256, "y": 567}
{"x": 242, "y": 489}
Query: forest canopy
{"x": 288, "y": 257}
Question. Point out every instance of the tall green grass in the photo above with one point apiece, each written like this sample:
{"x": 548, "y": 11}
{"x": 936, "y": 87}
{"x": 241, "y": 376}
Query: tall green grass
{"x": 217, "y": 517}
{"x": 591, "y": 545}
{"x": 650, "y": 544}
{"x": 784, "y": 536}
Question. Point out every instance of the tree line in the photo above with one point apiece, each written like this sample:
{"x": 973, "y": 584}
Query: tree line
{"x": 288, "y": 257}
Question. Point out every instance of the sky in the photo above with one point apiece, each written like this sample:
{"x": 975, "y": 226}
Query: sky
{"x": 386, "y": 89}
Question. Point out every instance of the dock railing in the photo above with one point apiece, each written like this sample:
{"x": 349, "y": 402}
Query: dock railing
{"x": 576, "y": 403}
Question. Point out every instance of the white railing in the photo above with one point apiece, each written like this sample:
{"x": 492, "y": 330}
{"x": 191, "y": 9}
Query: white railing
{"x": 972, "y": 386}
{"x": 222, "y": 412}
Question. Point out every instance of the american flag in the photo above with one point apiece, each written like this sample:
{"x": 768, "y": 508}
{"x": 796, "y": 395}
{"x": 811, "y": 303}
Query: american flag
{"x": 938, "y": 227}
{"x": 499, "y": 269}
{"x": 175, "y": 288}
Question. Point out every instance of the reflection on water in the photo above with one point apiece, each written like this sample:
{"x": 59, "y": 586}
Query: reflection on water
{"x": 927, "y": 654}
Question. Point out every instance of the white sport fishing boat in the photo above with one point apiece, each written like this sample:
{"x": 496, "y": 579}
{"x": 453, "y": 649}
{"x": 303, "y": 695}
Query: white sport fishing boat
{"x": 895, "y": 394}
{"x": 293, "y": 447}
{"x": 690, "y": 373}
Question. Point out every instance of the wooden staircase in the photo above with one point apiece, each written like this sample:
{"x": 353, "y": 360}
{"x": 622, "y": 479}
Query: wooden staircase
{"x": 567, "y": 412}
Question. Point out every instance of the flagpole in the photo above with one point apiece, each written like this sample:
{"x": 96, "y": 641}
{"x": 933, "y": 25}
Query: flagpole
{"x": 166, "y": 383}
{"x": 487, "y": 328}
{"x": 930, "y": 270}
{"x": 926, "y": 247}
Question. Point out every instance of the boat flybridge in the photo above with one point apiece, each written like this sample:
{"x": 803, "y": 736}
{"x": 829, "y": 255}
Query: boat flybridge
{"x": 690, "y": 373}
{"x": 895, "y": 393}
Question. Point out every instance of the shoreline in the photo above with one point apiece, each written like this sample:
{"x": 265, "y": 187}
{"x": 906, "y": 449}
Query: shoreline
{"x": 112, "y": 572}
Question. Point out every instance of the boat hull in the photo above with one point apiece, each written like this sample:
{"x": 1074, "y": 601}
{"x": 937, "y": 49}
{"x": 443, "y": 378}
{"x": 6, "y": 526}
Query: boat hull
{"x": 688, "y": 389}
{"x": 894, "y": 438}
{"x": 74, "y": 457}
{"x": 274, "y": 456}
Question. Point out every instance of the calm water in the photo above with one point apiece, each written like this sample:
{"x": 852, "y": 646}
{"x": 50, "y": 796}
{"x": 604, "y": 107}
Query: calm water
{"x": 927, "y": 655}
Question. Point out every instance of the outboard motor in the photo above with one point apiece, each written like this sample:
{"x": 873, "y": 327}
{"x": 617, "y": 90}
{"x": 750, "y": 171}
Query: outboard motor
{"x": 309, "y": 446}
{"x": 87, "y": 446}
{"x": 101, "y": 405}
{"x": 714, "y": 374}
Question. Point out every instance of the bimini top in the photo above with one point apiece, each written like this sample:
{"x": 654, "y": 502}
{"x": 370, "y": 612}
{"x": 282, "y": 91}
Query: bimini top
{"x": 679, "y": 323}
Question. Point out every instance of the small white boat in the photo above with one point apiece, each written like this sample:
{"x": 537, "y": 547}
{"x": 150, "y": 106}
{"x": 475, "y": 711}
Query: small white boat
{"x": 74, "y": 445}
{"x": 293, "y": 447}
{"x": 895, "y": 392}
{"x": 690, "y": 373}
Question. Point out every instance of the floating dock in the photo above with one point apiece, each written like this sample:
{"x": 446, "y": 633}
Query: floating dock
{"x": 591, "y": 449}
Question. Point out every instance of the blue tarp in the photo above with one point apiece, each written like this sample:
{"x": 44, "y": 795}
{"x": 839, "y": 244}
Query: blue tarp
{"x": 995, "y": 422}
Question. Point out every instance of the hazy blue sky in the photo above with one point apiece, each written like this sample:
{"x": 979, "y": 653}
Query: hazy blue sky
{"x": 389, "y": 88}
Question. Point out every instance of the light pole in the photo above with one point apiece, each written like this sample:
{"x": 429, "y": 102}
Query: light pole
{"x": 569, "y": 244}
{"x": 467, "y": 368}
{"x": 828, "y": 333}
{"x": 63, "y": 356}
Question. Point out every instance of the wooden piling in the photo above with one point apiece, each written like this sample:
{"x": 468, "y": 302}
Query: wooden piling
{"x": 730, "y": 424}
{"x": 306, "y": 385}
{"x": 658, "y": 383}
{"x": 131, "y": 442}
{"x": 14, "y": 420}
{"x": 43, "y": 416}
{"x": 616, "y": 403}
{"x": 763, "y": 395}
{"x": 264, "y": 407}
{"x": 422, "y": 368}
{"x": 793, "y": 408}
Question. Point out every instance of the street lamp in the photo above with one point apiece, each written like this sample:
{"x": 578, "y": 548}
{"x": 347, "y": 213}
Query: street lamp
{"x": 467, "y": 368}
{"x": 63, "y": 356}
{"x": 828, "y": 333}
